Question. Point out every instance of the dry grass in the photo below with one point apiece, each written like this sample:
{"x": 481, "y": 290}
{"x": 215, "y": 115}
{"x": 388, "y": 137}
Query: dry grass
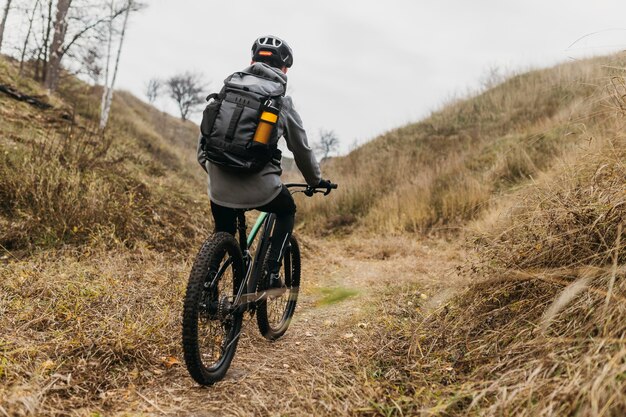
{"x": 90, "y": 309}
{"x": 435, "y": 175}
{"x": 546, "y": 334}
{"x": 64, "y": 182}
{"x": 515, "y": 344}
{"x": 542, "y": 331}
{"x": 513, "y": 353}
{"x": 570, "y": 219}
{"x": 76, "y": 325}
{"x": 65, "y": 189}
{"x": 95, "y": 232}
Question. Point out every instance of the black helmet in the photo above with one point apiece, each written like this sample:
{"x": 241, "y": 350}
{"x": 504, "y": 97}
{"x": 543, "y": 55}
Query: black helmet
{"x": 273, "y": 51}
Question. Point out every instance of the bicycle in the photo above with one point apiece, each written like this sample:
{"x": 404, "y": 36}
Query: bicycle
{"x": 226, "y": 280}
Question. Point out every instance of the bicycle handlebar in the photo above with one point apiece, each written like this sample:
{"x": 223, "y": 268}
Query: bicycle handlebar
{"x": 309, "y": 191}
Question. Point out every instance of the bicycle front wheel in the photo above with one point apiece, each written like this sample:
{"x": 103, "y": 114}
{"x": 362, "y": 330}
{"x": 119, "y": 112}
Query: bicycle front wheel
{"x": 275, "y": 310}
{"x": 211, "y": 323}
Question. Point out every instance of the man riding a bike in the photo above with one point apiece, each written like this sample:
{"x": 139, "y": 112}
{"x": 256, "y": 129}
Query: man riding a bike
{"x": 236, "y": 270}
{"x": 262, "y": 189}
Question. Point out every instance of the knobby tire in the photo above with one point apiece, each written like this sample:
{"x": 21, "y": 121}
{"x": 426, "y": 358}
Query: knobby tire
{"x": 204, "y": 307}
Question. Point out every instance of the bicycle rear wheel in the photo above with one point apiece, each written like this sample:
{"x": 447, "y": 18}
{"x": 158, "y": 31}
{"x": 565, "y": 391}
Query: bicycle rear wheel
{"x": 275, "y": 310}
{"x": 211, "y": 325}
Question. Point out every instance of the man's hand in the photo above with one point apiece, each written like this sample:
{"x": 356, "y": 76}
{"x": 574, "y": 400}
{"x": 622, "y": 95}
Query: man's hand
{"x": 324, "y": 184}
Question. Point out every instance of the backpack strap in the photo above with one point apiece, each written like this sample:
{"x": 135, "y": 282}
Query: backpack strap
{"x": 234, "y": 120}
{"x": 241, "y": 100}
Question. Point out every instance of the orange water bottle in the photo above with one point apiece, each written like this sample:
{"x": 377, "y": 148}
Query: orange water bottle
{"x": 267, "y": 121}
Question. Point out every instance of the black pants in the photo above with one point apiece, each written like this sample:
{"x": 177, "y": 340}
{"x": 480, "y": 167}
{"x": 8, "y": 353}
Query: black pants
{"x": 285, "y": 209}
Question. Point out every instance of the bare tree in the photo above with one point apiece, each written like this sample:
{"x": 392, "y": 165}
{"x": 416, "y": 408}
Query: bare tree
{"x": 328, "y": 143}
{"x": 153, "y": 89}
{"x": 107, "y": 96}
{"x": 85, "y": 24}
{"x": 41, "y": 68}
{"x": 493, "y": 76}
{"x": 66, "y": 34}
{"x": 186, "y": 90}
{"x": 92, "y": 65}
{"x": 31, "y": 19}
{"x": 7, "y": 7}
{"x": 56, "y": 48}
{"x": 85, "y": 27}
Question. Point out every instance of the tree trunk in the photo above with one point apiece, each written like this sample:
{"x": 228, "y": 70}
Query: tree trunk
{"x": 56, "y": 54}
{"x": 105, "y": 87}
{"x": 30, "y": 28}
{"x": 4, "y": 21}
{"x": 41, "y": 65}
{"x": 104, "y": 118}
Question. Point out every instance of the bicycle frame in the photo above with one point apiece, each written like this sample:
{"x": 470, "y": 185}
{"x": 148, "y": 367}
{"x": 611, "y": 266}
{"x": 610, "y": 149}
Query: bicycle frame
{"x": 256, "y": 228}
{"x": 252, "y": 265}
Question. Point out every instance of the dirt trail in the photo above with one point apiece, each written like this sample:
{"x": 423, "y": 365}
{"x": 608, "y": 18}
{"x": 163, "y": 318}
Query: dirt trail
{"x": 310, "y": 371}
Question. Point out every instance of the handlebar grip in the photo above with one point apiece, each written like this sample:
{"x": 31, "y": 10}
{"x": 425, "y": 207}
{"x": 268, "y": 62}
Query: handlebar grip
{"x": 331, "y": 186}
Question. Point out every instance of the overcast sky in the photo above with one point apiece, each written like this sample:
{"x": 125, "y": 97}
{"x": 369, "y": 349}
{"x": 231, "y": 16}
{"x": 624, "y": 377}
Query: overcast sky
{"x": 364, "y": 67}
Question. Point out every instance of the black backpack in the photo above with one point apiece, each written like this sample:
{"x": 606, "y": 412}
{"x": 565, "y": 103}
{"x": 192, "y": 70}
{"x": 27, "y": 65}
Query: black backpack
{"x": 231, "y": 118}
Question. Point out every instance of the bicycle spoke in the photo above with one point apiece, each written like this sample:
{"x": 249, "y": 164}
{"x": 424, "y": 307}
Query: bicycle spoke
{"x": 213, "y": 329}
{"x": 211, "y": 324}
{"x": 277, "y": 305}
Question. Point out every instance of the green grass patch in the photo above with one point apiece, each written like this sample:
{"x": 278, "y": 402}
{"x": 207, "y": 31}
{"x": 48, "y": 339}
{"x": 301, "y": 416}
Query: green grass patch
{"x": 332, "y": 295}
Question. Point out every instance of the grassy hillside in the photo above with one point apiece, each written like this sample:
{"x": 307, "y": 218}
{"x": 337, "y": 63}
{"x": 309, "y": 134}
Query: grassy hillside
{"x": 437, "y": 174}
{"x": 541, "y": 325}
{"x": 540, "y": 328}
{"x": 98, "y": 232}
{"x": 64, "y": 182}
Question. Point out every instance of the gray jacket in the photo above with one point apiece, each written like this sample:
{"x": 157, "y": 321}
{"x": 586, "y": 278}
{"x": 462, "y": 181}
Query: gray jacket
{"x": 253, "y": 190}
